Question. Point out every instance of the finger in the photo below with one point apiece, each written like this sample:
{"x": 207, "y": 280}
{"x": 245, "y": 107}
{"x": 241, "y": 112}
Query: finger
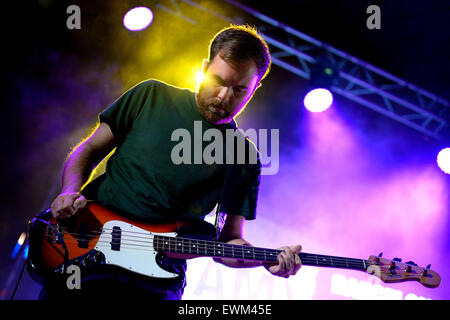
{"x": 297, "y": 264}
{"x": 58, "y": 210}
{"x": 289, "y": 261}
{"x": 291, "y": 256}
{"x": 280, "y": 268}
{"x": 79, "y": 203}
{"x": 275, "y": 270}
{"x": 297, "y": 248}
{"x": 282, "y": 258}
{"x": 55, "y": 207}
{"x": 67, "y": 206}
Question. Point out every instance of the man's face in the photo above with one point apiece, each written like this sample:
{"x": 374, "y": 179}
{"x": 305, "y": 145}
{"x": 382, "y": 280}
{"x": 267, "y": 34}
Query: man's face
{"x": 226, "y": 89}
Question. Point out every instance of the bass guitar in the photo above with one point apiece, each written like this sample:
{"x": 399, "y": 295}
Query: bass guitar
{"x": 96, "y": 237}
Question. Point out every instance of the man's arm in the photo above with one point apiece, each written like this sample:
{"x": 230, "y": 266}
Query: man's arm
{"x": 77, "y": 169}
{"x": 288, "y": 261}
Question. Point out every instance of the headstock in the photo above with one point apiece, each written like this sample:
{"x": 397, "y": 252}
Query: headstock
{"x": 396, "y": 271}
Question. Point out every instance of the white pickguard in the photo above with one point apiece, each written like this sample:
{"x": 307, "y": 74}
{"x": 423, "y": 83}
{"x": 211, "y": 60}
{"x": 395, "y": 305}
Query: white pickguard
{"x": 136, "y": 250}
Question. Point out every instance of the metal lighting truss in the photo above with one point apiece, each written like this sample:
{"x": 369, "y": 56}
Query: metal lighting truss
{"x": 358, "y": 81}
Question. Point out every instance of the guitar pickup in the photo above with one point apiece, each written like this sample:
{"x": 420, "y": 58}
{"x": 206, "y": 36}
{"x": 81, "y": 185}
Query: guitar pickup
{"x": 83, "y": 237}
{"x": 116, "y": 236}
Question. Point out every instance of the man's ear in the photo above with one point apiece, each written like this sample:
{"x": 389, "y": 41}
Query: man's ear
{"x": 205, "y": 66}
{"x": 256, "y": 87}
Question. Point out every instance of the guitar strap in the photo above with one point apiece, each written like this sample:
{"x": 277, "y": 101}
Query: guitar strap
{"x": 221, "y": 216}
{"x": 225, "y": 198}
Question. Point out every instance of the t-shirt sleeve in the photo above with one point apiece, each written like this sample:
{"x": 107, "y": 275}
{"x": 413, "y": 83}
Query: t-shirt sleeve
{"x": 121, "y": 115}
{"x": 241, "y": 196}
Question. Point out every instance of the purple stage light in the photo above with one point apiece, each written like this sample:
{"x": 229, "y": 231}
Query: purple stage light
{"x": 443, "y": 160}
{"x": 138, "y": 18}
{"x": 318, "y": 100}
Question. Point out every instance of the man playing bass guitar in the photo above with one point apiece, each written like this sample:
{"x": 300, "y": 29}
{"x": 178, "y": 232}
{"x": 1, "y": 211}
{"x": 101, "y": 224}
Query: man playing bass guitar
{"x": 141, "y": 178}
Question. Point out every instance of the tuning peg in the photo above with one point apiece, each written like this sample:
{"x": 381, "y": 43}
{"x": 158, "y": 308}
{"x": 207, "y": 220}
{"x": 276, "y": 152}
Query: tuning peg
{"x": 425, "y": 271}
{"x": 397, "y": 259}
{"x": 411, "y": 263}
{"x": 377, "y": 259}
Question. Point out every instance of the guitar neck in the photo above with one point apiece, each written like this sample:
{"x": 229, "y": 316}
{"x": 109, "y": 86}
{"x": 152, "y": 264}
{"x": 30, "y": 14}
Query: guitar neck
{"x": 204, "y": 248}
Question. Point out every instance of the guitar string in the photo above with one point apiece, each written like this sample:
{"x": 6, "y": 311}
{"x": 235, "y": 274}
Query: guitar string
{"x": 256, "y": 255}
{"x": 260, "y": 258}
{"x": 230, "y": 246}
{"x": 180, "y": 242}
{"x": 256, "y": 250}
{"x": 311, "y": 262}
{"x": 323, "y": 258}
{"x": 333, "y": 258}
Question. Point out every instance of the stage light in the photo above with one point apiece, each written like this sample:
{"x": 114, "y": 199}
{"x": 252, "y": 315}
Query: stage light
{"x": 18, "y": 245}
{"x": 138, "y": 18}
{"x": 199, "y": 77}
{"x": 323, "y": 77}
{"x": 318, "y": 100}
{"x": 443, "y": 160}
{"x": 25, "y": 252}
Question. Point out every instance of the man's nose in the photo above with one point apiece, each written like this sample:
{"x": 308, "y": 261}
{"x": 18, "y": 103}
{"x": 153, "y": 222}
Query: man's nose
{"x": 225, "y": 93}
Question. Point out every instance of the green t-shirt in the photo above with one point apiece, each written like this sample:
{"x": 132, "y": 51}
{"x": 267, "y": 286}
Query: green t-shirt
{"x": 141, "y": 177}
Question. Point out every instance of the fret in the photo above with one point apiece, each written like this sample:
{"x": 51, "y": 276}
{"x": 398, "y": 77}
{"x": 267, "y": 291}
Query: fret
{"x": 191, "y": 246}
{"x": 205, "y": 251}
{"x": 240, "y": 251}
{"x": 228, "y": 250}
{"x": 157, "y": 244}
{"x": 201, "y": 250}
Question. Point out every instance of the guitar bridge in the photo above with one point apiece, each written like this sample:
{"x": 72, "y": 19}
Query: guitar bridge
{"x": 54, "y": 237}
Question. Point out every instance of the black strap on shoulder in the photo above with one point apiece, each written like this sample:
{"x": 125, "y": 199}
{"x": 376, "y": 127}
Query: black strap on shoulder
{"x": 227, "y": 191}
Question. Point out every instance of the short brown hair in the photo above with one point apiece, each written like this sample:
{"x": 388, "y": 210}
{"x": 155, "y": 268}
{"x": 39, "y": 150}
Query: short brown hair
{"x": 239, "y": 43}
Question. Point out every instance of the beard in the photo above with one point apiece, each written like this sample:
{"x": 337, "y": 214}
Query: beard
{"x": 213, "y": 110}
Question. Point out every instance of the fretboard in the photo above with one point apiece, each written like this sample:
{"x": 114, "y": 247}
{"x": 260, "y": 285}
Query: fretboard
{"x": 217, "y": 249}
